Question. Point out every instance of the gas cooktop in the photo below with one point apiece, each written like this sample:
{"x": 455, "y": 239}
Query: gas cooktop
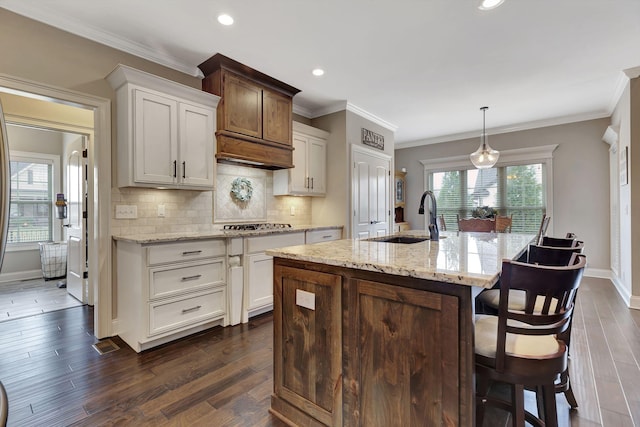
{"x": 261, "y": 226}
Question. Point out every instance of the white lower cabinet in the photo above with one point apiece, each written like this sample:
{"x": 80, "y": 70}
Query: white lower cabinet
{"x": 169, "y": 290}
{"x": 258, "y": 270}
{"x": 317, "y": 236}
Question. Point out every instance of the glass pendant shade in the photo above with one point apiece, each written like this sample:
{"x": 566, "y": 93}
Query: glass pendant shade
{"x": 485, "y": 156}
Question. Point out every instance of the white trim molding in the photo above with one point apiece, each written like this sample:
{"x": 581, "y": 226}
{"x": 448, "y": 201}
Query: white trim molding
{"x": 20, "y": 275}
{"x": 507, "y": 157}
{"x": 342, "y": 106}
{"x": 99, "y": 171}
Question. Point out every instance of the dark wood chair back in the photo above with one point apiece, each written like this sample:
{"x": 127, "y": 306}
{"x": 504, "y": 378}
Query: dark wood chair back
{"x": 477, "y": 224}
{"x": 556, "y": 286}
{"x": 559, "y": 242}
{"x": 546, "y": 255}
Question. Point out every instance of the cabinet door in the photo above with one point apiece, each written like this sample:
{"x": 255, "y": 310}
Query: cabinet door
{"x": 196, "y": 146}
{"x": 277, "y": 117}
{"x": 407, "y": 351}
{"x": 155, "y": 123}
{"x": 307, "y": 341}
{"x": 260, "y": 272}
{"x": 317, "y": 165}
{"x": 242, "y": 108}
{"x": 298, "y": 174}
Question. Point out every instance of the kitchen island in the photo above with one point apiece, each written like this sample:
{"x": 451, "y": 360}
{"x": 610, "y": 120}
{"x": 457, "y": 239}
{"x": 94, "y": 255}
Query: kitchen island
{"x": 370, "y": 333}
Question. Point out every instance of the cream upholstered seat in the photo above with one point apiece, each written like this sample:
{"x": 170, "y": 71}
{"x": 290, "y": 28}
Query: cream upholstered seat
{"x": 525, "y": 348}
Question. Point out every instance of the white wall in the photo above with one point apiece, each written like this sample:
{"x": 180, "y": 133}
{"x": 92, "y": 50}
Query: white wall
{"x": 580, "y": 171}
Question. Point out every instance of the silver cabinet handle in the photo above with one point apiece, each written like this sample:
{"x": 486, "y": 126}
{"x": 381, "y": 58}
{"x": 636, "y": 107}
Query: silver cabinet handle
{"x": 184, "y": 170}
{"x": 197, "y": 276}
{"x": 186, "y": 253}
{"x": 328, "y": 236}
{"x": 189, "y": 310}
{"x": 175, "y": 166}
{"x": 312, "y": 183}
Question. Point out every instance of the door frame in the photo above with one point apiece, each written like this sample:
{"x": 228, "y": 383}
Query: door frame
{"x": 370, "y": 152}
{"x": 99, "y": 188}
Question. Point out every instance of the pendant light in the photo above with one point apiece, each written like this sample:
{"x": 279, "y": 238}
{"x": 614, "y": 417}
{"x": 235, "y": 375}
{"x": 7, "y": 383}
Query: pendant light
{"x": 484, "y": 157}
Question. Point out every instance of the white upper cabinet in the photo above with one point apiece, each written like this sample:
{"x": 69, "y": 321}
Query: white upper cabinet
{"x": 166, "y": 132}
{"x": 308, "y": 176}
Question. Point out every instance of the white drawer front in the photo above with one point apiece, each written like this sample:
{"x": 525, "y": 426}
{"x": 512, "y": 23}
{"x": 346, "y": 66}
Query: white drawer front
{"x": 316, "y": 236}
{"x": 186, "y": 251}
{"x": 262, "y": 243}
{"x": 169, "y": 315}
{"x": 167, "y": 281}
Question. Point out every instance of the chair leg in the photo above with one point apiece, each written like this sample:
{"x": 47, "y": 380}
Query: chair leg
{"x": 482, "y": 387}
{"x": 540, "y": 402}
{"x": 550, "y": 415}
{"x": 571, "y": 398}
{"x": 517, "y": 399}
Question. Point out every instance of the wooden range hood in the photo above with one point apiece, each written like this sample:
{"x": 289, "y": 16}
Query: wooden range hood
{"x": 254, "y": 116}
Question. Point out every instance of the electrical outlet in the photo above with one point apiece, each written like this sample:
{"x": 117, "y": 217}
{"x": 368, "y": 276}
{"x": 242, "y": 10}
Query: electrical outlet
{"x": 161, "y": 211}
{"x": 306, "y": 299}
{"x": 126, "y": 211}
{"x": 293, "y": 210}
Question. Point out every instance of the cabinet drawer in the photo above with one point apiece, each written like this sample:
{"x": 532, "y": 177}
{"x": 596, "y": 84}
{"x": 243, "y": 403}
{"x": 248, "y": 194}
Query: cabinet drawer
{"x": 166, "y": 281}
{"x": 173, "y": 314}
{"x": 262, "y": 243}
{"x": 316, "y": 236}
{"x": 186, "y": 251}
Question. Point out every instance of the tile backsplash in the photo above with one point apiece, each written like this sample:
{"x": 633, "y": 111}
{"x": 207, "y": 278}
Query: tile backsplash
{"x": 189, "y": 211}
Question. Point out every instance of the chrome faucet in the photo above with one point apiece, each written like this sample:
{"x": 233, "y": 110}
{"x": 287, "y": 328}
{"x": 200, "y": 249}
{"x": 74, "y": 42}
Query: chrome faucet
{"x": 433, "y": 215}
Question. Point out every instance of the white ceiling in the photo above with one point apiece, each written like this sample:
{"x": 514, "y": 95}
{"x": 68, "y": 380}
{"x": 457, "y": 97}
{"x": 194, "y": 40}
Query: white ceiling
{"x": 423, "y": 66}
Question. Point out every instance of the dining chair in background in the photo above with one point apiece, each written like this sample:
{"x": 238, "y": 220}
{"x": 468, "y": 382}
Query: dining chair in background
{"x": 486, "y": 225}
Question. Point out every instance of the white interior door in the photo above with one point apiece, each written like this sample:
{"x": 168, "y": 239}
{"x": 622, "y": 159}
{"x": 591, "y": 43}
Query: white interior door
{"x": 371, "y": 193}
{"x": 75, "y": 181}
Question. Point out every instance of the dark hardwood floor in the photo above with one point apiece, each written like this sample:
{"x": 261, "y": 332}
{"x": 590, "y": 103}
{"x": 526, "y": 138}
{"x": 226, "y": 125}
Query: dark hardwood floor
{"x": 223, "y": 377}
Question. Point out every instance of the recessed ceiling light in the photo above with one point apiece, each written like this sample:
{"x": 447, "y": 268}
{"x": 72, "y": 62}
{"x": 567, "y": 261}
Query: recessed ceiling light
{"x": 489, "y": 4}
{"x": 225, "y": 19}
{"x": 317, "y": 72}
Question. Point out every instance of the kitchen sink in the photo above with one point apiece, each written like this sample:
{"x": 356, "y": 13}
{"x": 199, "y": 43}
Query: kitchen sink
{"x": 399, "y": 239}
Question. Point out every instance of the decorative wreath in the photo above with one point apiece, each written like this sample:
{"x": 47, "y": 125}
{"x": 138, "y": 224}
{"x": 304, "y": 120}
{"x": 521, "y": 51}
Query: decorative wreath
{"x": 241, "y": 189}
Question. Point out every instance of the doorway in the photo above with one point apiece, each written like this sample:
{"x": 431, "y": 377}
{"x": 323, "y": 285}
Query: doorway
{"x": 98, "y": 179}
{"x": 38, "y": 244}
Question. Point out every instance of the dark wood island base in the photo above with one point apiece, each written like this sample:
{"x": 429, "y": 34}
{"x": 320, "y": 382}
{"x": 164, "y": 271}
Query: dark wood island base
{"x": 373, "y": 349}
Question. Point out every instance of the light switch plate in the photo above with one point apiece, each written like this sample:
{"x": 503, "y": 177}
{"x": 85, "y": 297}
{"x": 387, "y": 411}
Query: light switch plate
{"x": 126, "y": 211}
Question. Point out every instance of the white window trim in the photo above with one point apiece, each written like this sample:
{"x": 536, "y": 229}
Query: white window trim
{"x": 518, "y": 156}
{"x": 15, "y": 155}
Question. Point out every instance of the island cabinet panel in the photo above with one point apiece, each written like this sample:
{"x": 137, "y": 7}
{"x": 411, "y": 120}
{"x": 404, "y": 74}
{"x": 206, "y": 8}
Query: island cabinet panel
{"x": 406, "y": 363}
{"x": 308, "y": 346}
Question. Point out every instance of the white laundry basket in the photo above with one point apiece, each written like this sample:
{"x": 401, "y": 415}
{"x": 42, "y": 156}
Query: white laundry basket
{"x": 53, "y": 256}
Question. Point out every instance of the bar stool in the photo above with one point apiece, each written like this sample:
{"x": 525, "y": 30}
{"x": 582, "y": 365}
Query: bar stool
{"x": 524, "y": 348}
{"x": 488, "y": 301}
{"x": 561, "y": 242}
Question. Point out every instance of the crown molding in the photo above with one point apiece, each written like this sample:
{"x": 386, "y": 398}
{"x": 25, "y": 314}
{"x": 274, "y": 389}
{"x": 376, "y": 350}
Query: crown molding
{"x": 506, "y": 129}
{"x": 49, "y": 17}
{"x": 632, "y": 73}
{"x": 342, "y": 106}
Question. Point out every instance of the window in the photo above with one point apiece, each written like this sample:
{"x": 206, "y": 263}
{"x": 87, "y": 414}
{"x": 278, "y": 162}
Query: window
{"x": 511, "y": 190}
{"x": 518, "y": 186}
{"x": 32, "y": 198}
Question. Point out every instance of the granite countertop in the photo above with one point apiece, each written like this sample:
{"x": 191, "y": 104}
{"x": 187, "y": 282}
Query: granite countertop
{"x": 473, "y": 259}
{"x": 216, "y": 233}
